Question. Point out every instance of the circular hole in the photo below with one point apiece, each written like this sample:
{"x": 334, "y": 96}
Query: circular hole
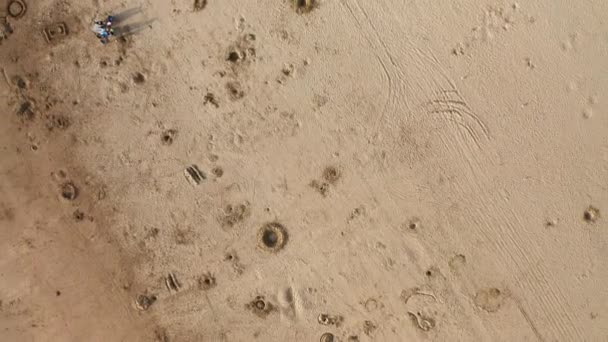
{"x": 34, "y": 147}
{"x": 207, "y": 281}
{"x": 234, "y": 56}
{"x": 270, "y": 238}
{"x": 16, "y": 9}
{"x": 429, "y": 273}
{"x": 414, "y": 224}
{"x": 58, "y": 293}
{"x": 327, "y": 337}
{"x": 69, "y": 191}
{"x": 260, "y": 304}
{"x": 139, "y": 78}
{"x": 218, "y": 172}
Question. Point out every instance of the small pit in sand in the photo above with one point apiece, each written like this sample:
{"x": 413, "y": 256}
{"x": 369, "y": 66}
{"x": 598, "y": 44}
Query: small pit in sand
{"x": 272, "y": 237}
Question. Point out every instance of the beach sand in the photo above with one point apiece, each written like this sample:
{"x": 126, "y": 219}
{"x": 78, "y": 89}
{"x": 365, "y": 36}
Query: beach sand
{"x": 342, "y": 170}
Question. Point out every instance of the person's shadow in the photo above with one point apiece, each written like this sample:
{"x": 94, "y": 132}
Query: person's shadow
{"x": 122, "y": 29}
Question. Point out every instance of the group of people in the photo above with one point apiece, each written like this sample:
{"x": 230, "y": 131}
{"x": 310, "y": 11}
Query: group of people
{"x": 103, "y": 29}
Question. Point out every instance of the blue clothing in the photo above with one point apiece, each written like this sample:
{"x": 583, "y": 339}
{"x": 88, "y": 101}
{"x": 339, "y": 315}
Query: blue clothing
{"x": 103, "y": 29}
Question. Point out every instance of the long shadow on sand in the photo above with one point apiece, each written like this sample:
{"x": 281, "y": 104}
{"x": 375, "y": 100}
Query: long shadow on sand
{"x": 122, "y": 29}
{"x": 126, "y": 14}
{"x": 130, "y": 29}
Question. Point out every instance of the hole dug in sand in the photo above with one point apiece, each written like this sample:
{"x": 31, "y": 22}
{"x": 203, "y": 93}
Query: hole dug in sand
{"x": 304, "y": 6}
{"x": 16, "y": 8}
{"x": 272, "y": 237}
{"x": 260, "y": 306}
{"x": 591, "y": 214}
{"x": 69, "y": 191}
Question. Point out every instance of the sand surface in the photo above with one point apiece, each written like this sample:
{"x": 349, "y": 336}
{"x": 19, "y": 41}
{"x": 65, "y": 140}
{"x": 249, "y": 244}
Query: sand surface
{"x": 382, "y": 170}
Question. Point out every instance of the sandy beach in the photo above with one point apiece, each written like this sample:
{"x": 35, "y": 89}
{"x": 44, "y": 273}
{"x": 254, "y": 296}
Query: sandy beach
{"x": 298, "y": 170}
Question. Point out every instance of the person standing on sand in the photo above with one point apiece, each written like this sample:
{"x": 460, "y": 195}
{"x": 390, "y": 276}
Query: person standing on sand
{"x": 103, "y": 30}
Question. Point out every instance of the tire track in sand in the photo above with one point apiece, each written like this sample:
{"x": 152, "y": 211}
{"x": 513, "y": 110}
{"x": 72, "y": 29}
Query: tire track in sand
{"x": 451, "y": 109}
{"x": 439, "y": 106}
